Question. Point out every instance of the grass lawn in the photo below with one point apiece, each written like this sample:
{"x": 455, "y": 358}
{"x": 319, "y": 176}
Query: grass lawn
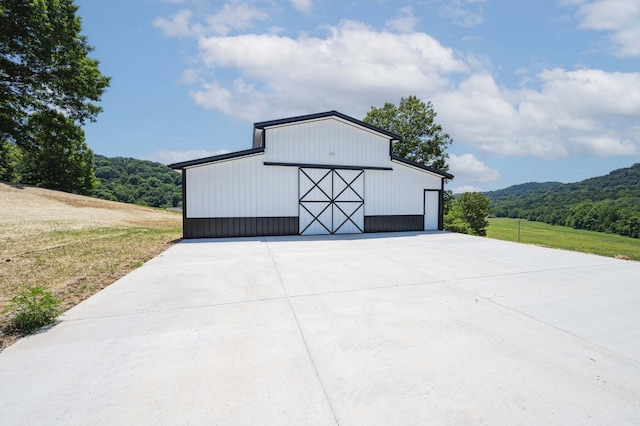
{"x": 562, "y": 237}
{"x": 73, "y": 246}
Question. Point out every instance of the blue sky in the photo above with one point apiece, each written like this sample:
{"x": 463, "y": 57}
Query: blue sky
{"x": 529, "y": 91}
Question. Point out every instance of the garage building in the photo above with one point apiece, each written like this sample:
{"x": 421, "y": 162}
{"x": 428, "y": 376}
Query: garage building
{"x": 324, "y": 173}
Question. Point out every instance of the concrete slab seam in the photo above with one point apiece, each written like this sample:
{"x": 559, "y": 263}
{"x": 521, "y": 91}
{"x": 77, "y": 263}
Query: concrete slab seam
{"x": 304, "y": 340}
{"x": 186, "y": 308}
{"x": 604, "y": 348}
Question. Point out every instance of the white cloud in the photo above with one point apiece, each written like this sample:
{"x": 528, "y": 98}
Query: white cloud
{"x": 405, "y": 22}
{"x": 304, "y": 6}
{"x": 177, "y": 26}
{"x": 233, "y": 16}
{"x": 621, "y": 18}
{"x": 468, "y": 168}
{"x": 170, "y": 157}
{"x": 314, "y": 73}
{"x": 190, "y": 76}
{"x": 587, "y": 112}
{"x": 558, "y": 113}
{"x": 466, "y": 13}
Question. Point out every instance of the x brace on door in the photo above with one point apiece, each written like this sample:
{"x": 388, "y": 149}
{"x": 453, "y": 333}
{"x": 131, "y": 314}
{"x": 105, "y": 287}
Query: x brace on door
{"x": 331, "y": 201}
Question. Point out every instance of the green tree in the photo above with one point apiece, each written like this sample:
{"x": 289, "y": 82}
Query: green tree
{"x": 454, "y": 219}
{"x": 468, "y": 214}
{"x": 10, "y": 157}
{"x": 475, "y": 209}
{"x": 45, "y": 69}
{"x": 423, "y": 141}
{"x": 57, "y": 156}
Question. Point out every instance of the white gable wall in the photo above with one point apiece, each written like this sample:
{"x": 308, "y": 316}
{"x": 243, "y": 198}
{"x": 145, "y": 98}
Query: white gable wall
{"x": 330, "y": 141}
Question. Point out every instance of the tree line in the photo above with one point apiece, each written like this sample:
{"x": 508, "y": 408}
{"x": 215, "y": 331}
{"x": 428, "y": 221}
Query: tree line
{"x": 608, "y": 203}
{"x": 129, "y": 180}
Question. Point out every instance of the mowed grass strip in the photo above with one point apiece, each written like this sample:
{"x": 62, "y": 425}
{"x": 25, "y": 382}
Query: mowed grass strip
{"x": 563, "y": 237}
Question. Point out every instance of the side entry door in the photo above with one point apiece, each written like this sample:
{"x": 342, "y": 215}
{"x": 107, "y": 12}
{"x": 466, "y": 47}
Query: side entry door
{"x": 431, "y": 209}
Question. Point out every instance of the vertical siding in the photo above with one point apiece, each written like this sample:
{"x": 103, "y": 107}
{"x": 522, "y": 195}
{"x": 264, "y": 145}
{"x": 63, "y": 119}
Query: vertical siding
{"x": 242, "y": 187}
{"x": 397, "y": 192}
{"x": 314, "y": 142}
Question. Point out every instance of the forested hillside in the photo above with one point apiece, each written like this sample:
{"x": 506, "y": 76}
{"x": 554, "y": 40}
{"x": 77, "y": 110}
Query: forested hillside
{"x": 608, "y": 203}
{"x": 137, "y": 182}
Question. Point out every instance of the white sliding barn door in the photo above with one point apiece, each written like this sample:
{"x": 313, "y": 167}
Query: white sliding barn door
{"x": 331, "y": 201}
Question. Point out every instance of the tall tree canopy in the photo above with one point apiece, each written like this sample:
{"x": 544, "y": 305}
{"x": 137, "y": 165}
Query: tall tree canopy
{"x": 423, "y": 140}
{"x": 47, "y": 80}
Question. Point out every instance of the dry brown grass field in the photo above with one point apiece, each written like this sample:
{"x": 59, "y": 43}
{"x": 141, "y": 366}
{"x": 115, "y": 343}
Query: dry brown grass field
{"x": 72, "y": 245}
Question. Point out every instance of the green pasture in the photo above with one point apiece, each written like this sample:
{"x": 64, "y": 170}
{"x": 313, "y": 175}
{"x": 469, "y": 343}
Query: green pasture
{"x": 562, "y": 237}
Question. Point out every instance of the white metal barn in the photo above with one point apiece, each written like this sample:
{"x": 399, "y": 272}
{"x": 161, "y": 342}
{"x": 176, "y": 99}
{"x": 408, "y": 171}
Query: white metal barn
{"x": 324, "y": 173}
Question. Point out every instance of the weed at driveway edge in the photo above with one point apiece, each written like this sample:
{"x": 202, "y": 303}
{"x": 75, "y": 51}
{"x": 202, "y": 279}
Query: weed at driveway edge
{"x": 33, "y": 308}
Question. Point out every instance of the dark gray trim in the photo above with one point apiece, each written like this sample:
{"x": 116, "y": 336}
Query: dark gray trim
{"x": 222, "y": 227}
{"x": 325, "y": 166}
{"x": 441, "y": 212}
{"x": 215, "y": 158}
{"x": 184, "y": 199}
{"x": 394, "y": 223}
{"x": 421, "y": 166}
{"x": 264, "y": 124}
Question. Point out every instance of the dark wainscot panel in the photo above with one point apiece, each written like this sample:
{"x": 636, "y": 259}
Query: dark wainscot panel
{"x": 221, "y": 227}
{"x": 394, "y": 223}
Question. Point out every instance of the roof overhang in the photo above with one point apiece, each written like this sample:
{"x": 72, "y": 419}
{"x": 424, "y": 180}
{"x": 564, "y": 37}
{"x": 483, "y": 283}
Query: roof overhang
{"x": 421, "y": 166}
{"x": 216, "y": 158}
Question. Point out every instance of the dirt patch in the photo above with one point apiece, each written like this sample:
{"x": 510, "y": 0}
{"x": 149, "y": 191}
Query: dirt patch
{"x": 25, "y": 204}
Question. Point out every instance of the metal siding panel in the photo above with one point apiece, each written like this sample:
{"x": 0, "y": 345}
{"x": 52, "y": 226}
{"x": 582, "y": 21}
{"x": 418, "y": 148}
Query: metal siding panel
{"x": 241, "y": 198}
{"x": 194, "y": 194}
{"x": 253, "y": 198}
{"x": 242, "y": 188}
{"x": 393, "y": 223}
{"x": 202, "y": 195}
{"x": 215, "y": 194}
{"x": 399, "y": 192}
{"x": 312, "y": 142}
{"x": 224, "y": 227}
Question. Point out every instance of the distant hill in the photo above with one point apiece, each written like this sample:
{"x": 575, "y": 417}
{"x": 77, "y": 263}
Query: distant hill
{"x": 521, "y": 190}
{"x": 609, "y": 203}
{"x": 133, "y": 181}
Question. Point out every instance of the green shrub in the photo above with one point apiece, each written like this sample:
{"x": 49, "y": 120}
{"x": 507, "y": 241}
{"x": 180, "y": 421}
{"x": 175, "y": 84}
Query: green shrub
{"x": 33, "y": 308}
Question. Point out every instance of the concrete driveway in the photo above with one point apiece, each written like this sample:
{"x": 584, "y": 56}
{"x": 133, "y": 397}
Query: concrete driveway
{"x": 409, "y": 328}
